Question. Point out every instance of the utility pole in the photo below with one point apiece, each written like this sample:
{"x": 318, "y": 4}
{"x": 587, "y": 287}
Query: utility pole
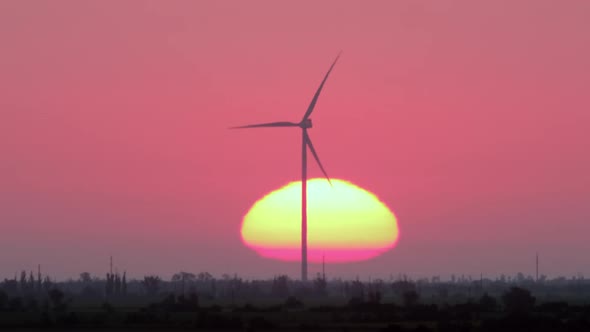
{"x": 324, "y": 267}
{"x": 111, "y": 265}
{"x": 39, "y": 278}
{"x": 537, "y": 267}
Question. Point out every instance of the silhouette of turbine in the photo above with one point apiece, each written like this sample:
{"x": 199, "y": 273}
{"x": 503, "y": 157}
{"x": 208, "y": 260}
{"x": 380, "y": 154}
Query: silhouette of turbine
{"x": 304, "y": 124}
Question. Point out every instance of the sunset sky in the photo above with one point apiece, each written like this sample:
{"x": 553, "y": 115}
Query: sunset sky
{"x": 469, "y": 119}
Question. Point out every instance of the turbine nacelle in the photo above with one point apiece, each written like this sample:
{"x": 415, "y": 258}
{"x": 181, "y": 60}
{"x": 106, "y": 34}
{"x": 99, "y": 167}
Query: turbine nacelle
{"x": 305, "y": 124}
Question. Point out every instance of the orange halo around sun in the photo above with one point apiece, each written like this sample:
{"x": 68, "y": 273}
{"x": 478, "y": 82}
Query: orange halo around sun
{"x": 345, "y": 223}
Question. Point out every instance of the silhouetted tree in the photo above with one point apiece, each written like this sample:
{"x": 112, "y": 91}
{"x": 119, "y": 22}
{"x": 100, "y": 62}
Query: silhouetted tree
{"x": 108, "y": 308}
{"x": 293, "y": 303}
{"x": 518, "y": 300}
{"x": 15, "y": 304}
{"x": 488, "y": 303}
{"x": 124, "y": 284}
{"x": 85, "y": 277}
{"x": 204, "y": 276}
{"x": 31, "y": 305}
{"x": 443, "y": 293}
{"x": 23, "y": 281}
{"x": 280, "y": 286}
{"x": 31, "y": 283}
{"x": 56, "y": 297}
{"x": 151, "y": 284}
{"x": 110, "y": 284}
{"x": 374, "y": 297}
{"x": 402, "y": 286}
{"x": 89, "y": 291}
{"x": 39, "y": 286}
{"x": 47, "y": 284}
{"x": 319, "y": 285}
{"x": 184, "y": 277}
{"x": 192, "y": 301}
{"x": 357, "y": 290}
{"x": 375, "y": 291}
{"x": 3, "y": 299}
{"x": 411, "y": 298}
{"x": 10, "y": 286}
{"x": 117, "y": 287}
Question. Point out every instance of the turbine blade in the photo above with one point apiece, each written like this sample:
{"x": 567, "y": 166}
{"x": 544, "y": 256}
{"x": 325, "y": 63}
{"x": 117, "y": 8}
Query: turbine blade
{"x": 317, "y": 93}
{"x": 315, "y": 155}
{"x": 270, "y": 124}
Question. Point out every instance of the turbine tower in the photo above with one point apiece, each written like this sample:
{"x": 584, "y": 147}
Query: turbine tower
{"x": 304, "y": 124}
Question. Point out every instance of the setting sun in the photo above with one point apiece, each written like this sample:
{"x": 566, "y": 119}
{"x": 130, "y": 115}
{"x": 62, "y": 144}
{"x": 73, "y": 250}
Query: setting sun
{"x": 345, "y": 223}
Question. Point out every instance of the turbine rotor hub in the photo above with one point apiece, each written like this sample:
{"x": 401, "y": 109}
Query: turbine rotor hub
{"x": 305, "y": 124}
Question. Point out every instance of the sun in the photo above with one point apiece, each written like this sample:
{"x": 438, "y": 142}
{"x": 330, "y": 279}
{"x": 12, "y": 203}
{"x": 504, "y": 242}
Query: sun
{"x": 346, "y": 223}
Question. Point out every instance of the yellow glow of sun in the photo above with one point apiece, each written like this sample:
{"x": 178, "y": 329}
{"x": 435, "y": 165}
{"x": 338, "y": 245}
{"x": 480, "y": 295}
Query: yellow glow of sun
{"x": 345, "y": 223}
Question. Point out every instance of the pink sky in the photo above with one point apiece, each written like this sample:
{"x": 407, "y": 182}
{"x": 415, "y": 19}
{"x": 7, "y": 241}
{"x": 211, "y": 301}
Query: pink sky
{"x": 468, "y": 119}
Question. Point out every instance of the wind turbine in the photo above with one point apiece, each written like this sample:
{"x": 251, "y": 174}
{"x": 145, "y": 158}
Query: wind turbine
{"x": 304, "y": 124}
